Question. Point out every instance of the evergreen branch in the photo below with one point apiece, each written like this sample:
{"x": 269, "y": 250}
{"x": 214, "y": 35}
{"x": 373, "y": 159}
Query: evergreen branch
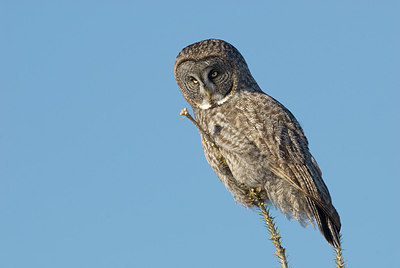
{"x": 275, "y": 237}
{"x": 339, "y": 257}
{"x": 254, "y": 196}
{"x": 185, "y": 112}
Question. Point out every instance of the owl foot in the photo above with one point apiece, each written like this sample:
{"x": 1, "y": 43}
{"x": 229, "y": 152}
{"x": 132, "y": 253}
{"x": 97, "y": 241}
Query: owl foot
{"x": 256, "y": 196}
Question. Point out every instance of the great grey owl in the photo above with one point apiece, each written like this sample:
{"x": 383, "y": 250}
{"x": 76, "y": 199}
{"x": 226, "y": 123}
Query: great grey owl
{"x": 261, "y": 141}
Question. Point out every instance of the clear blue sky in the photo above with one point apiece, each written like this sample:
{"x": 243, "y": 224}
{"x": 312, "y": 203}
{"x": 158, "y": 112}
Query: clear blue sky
{"x": 97, "y": 168}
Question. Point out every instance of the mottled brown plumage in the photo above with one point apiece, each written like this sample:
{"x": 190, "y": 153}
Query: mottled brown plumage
{"x": 261, "y": 141}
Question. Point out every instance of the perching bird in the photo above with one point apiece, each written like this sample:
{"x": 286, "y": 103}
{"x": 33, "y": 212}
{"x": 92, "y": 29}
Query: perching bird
{"x": 262, "y": 143}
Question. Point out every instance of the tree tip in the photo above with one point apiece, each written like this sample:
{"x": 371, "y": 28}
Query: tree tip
{"x": 184, "y": 111}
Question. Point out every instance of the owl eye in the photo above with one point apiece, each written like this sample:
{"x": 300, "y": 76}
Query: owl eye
{"x": 213, "y": 74}
{"x": 194, "y": 81}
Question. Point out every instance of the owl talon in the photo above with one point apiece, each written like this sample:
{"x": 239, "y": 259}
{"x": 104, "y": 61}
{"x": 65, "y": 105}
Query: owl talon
{"x": 254, "y": 196}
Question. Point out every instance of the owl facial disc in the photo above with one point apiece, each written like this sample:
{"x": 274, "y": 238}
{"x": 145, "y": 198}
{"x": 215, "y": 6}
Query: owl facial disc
{"x": 206, "y": 82}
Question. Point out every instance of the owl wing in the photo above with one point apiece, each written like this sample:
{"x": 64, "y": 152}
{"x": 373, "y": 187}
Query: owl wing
{"x": 277, "y": 133}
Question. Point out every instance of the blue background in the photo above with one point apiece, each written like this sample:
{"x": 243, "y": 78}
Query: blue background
{"x": 97, "y": 168}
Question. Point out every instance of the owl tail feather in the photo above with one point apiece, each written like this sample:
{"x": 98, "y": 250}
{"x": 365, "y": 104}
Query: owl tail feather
{"x": 328, "y": 228}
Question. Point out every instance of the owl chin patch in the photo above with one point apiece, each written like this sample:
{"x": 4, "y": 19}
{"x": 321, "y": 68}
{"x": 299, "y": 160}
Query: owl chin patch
{"x": 208, "y": 103}
{"x": 224, "y": 99}
{"x": 205, "y": 106}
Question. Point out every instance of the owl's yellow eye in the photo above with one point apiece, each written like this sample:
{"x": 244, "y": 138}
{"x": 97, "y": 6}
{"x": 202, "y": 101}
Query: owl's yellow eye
{"x": 194, "y": 81}
{"x": 214, "y": 74}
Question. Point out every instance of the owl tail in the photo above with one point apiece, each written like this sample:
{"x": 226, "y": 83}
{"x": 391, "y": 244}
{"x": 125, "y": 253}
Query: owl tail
{"x": 329, "y": 229}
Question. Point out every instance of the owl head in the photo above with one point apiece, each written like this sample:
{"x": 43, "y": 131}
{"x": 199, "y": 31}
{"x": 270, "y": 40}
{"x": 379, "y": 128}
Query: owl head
{"x": 209, "y": 72}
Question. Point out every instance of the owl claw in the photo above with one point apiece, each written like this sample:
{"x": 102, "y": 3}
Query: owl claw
{"x": 258, "y": 189}
{"x": 253, "y": 197}
{"x": 256, "y": 196}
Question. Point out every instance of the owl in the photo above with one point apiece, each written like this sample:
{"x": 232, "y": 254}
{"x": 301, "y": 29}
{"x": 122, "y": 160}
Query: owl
{"x": 261, "y": 142}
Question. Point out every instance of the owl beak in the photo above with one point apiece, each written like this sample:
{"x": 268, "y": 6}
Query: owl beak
{"x": 205, "y": 91}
